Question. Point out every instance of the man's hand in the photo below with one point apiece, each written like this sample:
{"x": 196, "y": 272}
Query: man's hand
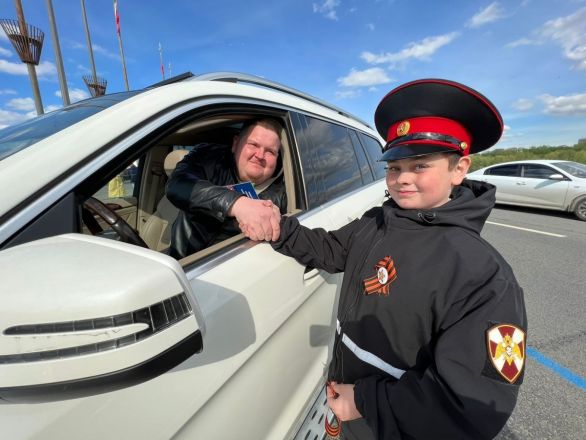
{"x": 258, "y": 219}
{"x": 341, "y": 401}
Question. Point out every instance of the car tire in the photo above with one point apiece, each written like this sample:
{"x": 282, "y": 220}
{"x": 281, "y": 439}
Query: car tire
{"x": 580, "y": 209}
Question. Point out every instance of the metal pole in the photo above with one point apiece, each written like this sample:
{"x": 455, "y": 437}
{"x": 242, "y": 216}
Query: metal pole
{"x": 123, "y": 62}
{"x": 58, "y": 59}
{"x": 89, "y": 42}
{"x": 119, "y": 32}
{"x": 32, "y": 73}
{"x": 161, "y": 57}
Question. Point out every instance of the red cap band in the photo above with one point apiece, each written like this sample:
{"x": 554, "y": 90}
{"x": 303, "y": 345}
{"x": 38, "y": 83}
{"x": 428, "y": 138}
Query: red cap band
{"x": 433, "y": 125}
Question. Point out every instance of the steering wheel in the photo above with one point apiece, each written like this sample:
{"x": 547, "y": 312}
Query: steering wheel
{"x": 93, "y": 206}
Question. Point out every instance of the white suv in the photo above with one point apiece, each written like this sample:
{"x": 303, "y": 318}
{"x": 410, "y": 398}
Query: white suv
{"x": 100, "y": 338}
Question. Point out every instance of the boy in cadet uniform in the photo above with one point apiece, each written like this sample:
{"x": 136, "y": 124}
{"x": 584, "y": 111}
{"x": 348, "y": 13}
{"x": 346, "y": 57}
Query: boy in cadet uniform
{"x": 431, "y": 332}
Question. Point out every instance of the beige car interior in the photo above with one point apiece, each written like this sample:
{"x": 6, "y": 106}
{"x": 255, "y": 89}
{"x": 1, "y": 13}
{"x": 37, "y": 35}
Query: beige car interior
{"x": 153, "y": 215}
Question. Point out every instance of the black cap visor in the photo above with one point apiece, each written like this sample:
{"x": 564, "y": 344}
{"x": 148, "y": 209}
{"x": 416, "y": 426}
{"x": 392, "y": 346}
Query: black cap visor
{"x": 414, "y": 150}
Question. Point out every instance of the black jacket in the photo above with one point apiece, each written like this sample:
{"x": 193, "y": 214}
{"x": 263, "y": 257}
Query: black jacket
{"x": 451, "y": 286}
{"x": 198, "y": 188}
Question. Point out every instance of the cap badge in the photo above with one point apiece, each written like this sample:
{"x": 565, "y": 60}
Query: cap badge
{"x": 506, "y": 350}
{"x": 463, "y": 145}
{"x": 386, "y": 273}
{"x": 403, "y": 128}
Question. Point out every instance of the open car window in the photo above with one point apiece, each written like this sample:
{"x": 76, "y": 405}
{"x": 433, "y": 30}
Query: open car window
{"x": 136, "y": 192}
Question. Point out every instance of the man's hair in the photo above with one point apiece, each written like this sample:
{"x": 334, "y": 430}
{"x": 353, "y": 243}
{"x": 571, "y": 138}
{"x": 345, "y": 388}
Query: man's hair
{"x": 269, "y": 123}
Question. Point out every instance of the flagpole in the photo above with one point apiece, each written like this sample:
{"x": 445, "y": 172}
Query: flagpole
{"x": 89, "y": 42}
{"x": 161, "y": 57}
{"x": 117, "y": 17}
{"x": 58, "y": 58}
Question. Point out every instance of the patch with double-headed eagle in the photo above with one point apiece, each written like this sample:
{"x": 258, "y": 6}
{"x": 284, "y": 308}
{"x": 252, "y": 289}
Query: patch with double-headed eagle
{"x": 506, "y": 350}
{"x": 386, "y": 273}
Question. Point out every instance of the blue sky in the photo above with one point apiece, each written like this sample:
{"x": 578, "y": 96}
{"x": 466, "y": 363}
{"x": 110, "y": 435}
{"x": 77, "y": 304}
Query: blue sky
{"x": 527, "y": 56}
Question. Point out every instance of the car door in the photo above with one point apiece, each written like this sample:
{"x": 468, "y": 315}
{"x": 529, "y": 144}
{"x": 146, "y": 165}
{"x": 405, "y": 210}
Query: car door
{"x": 536, "y": 188}
{"x": 505, "y": 178}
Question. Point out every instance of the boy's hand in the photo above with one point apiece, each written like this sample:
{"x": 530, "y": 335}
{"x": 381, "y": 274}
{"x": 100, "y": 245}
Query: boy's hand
{"x": 341, "y": 401}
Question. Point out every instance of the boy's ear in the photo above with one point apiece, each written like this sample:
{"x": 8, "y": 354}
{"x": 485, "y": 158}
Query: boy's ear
{"x": 461, "y": 169}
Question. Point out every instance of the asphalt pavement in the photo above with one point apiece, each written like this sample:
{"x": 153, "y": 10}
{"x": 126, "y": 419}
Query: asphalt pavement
{"x": 547, "y": 251}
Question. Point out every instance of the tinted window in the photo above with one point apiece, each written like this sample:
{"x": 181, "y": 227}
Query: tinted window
{"x": 538, "y": 171}
{"x": 504, "y": 170}
{"x": 374, "y": 150}
{"x": 574, "y": 168}
{"x": 361, "y": 157}
{"x": 18, "y": 137}
{"x": 329, "y": 163}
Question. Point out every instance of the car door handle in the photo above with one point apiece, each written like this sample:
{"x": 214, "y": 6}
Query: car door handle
{"x": 521, "y": 183}
{"x": 309, "y": 273}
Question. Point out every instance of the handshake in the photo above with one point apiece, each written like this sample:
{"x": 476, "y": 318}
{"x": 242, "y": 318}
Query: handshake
{"x": 258, "y": 219}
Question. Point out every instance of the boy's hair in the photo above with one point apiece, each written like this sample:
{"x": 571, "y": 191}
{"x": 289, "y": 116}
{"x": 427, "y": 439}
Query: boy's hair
{"x": 453, "y": 159}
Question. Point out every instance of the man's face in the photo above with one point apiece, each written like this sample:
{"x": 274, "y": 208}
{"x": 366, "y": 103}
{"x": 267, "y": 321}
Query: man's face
{"x": 424, "y": 182}
{"x": 256, "y": 154}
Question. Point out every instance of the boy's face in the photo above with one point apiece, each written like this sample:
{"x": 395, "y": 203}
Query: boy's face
{"x": 424, "y": 182}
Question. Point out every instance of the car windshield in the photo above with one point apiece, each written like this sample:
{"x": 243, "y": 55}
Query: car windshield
{"x": 18, "y": 137}
{"x": 574, "y": 168}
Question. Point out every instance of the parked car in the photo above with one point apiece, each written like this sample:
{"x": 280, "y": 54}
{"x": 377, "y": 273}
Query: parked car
{"x": 548, "y": 184}
{"x": 102, "y": 334}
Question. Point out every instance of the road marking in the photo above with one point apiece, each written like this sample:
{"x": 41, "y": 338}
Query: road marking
{"x": 528, "y": 230}
{"x": 580, "y": 382}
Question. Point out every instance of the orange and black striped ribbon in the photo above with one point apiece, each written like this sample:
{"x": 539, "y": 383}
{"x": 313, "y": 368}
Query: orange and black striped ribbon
{"x": 373, "y": 285}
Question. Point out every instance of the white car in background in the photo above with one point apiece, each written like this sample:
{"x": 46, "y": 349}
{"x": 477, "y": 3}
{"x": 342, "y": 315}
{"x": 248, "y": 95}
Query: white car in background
{"x": 103, "y": 335}
{"x": 547, "y": 184}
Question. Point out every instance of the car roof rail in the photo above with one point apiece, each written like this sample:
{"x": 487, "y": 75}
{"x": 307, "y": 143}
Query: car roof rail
{"x": 173, "y": 79}
{"x": 244, "y": 78}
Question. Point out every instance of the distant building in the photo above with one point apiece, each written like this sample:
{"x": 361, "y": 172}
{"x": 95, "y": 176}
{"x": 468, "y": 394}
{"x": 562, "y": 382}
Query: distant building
{"x": 581, "y": 141}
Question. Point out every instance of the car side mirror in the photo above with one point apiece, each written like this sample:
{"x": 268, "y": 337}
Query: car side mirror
{"x": 83, "y": 315}
{"x": 556, "y": 176}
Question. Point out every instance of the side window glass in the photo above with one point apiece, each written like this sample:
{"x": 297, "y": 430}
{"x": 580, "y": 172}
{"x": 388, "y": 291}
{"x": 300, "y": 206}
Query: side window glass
{"x": 537, "y": 171}
{"x": 374, "y": 151}
{"x": 505, "y": 170}
{"x": 329, "y": 157}
{"x": 361, "y": 157}
{"x": 120, "y": 186}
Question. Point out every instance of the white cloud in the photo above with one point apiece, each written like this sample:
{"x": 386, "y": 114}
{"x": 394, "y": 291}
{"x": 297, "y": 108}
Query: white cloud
{"x": 570, "y": 33}
{"x": 11, "y": 118}
{"x": 5, "y": 52}
{"x": 3, "y": 36}
{"x": 523, "y": 104}
{"x": 75, "y": 94}
{"x": 565, "y": 105}
{"x": 45, "y": 68}
{"x": 96, "y": 49}
{"x": 364, "y": 78}
{"x": 420, "y": 50}
{"x": 520, "y": 42}
{"x": 370, "y": 26}
{"x": 327, "y": 8}
{"x": 22, "y": 104}
{"x": 346, "y": 94}
{"x": 7, "y": 92}
{"x": 491, "y": 13}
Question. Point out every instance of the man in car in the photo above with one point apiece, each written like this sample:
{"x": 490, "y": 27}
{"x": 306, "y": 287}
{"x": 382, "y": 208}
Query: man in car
{"x": 202, "y": 188}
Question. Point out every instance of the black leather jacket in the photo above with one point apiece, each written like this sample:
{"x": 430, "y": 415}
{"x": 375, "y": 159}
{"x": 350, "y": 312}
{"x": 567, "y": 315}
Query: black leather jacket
{"x": 197, "y": 188}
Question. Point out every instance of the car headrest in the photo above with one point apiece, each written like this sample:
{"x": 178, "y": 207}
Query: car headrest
{"x": 172, "y": 159}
